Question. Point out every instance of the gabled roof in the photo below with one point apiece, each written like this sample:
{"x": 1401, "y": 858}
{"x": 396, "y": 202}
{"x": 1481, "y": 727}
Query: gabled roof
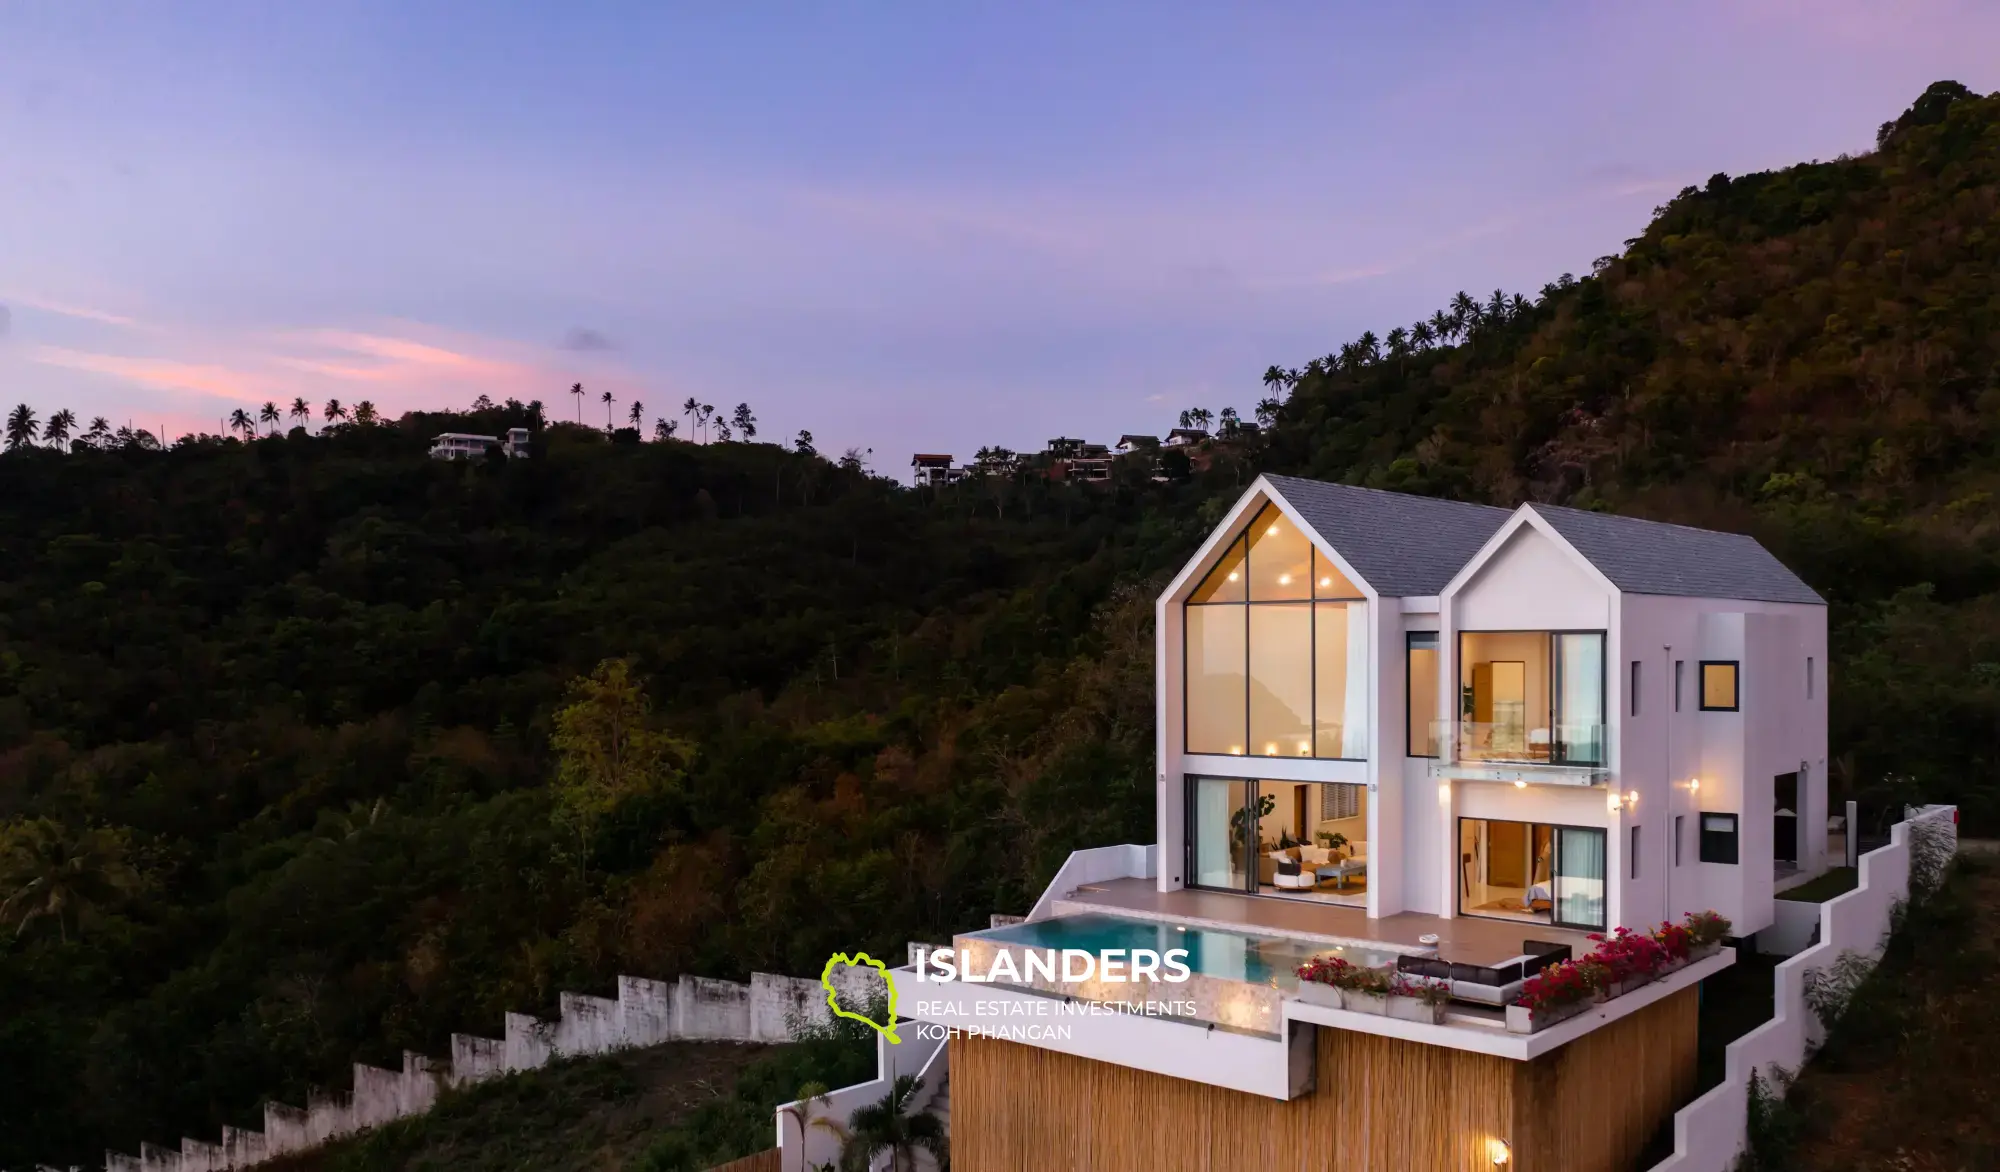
{"x": 1403, "y": 545}
{"x": 1654, "y": 557}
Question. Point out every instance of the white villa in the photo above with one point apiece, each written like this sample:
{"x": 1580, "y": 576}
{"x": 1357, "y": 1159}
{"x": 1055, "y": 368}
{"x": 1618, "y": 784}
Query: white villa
{"x": 1544, "y": 714}
{"x": 457, "y": 445}
{"x": 1448, "y": 745}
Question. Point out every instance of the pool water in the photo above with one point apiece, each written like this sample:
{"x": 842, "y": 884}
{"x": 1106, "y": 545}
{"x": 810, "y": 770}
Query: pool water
{"x": 1212, "y": 952}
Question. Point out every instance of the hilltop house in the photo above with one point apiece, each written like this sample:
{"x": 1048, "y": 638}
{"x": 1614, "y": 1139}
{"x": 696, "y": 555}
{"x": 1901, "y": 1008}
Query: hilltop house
{"x": 934, "y": 469}
{"x": 456, "y": 445}
{"x": 1443, "y": 740}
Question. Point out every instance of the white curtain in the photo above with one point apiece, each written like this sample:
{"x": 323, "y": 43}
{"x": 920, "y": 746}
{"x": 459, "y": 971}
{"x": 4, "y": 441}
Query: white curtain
{"x": 1580, "y": 877}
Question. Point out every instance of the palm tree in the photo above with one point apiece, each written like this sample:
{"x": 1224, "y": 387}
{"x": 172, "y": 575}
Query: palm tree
{"x": 333, "y": 412}
{"x": 21, "y": 427}
{"x": 745, "y": 421}
{"x": 1267, "y": 411}
{"x": 48, "y": 872}
{"x": 301, "y": 410}
{"x": 1465, "y": 311}
{"x": 692, "y": 410}
{"x": 1202, "y": 417}
{"x": 663, "y": 429}
{"x": 56, "y": 434}
{"x": 1496, "y": 308}
{"x": 1517, "y": 307}
{"x": 889, "y": 1127}
{"x": 800, "y": 1111}
{"x": 1443, "y": 326}
{"x": 1274, "y": 377}
{"x": 707, "y": 413}
{"x": 100, "y": 430}
{"x": 364, "y": 413}
{"x": 577, "y": 391}
{"x": 268, "y": 413}
{"x": 607, "y": 398}
{"x": 239, "y": 420}
{"x": 722, "y": 432}
{"x": 1422, "y": 335}
{"x": 1368, "y": 347}
{"x": 1399, "y": 342}
{"x": 638, "y": 410}
{"x": 1230, "y": 424}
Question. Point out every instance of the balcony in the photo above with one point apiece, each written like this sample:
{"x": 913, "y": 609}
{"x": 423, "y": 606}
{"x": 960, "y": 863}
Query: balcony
{"x": 1556, "y": 754}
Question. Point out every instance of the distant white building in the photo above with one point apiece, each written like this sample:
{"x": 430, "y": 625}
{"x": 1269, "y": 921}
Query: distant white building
{"x": 458, "y": 445}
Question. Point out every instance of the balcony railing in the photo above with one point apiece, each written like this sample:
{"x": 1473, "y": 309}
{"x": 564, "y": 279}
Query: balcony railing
{"x": 1561, "y": 745}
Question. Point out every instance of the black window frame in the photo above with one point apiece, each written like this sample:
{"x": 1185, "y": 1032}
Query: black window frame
{"x": 1713, "y": 842}
{"x": 1735, "y": 667}
{"x": 1680, "y": 824}
{"x": 1633, "y": 685}
{"x": 1632, "y": 864}
{"x": 1680, "y": 673}
{"x": 1603, "y": 682}
{"x": 1410, "y": 639}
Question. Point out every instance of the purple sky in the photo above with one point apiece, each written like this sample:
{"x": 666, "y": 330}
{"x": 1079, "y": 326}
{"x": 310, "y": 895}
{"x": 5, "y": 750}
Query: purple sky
{"x": 898, "y": 229}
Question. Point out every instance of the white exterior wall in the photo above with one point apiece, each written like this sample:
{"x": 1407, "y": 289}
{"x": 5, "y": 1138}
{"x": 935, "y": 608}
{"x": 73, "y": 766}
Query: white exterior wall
{"x": 1734, "y": 755}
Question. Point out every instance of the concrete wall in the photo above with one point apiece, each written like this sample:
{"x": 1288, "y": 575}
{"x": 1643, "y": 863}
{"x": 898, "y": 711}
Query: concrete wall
{"x": 645, "y": 1013}
{"x": 1709, "y": 1132}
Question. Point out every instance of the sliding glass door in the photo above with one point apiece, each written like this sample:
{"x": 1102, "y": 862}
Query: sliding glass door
{"x": 1532, "y": 871}
{"x": 1222, "y": 833}
{"x": 1579, "y": 877}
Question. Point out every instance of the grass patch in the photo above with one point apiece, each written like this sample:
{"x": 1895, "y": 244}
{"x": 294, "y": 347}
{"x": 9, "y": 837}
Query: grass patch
{"x": 1838, "y": 881}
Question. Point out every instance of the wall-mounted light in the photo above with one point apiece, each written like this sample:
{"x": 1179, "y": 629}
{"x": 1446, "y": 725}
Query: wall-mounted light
{"x": 1613, "y": 800}
{"x": 1694, "y": 785}
{"x": 1520, "y": 784}
{"x": 1232, "y": 575}
{"x": 1326, "y": 581}
{"x": 1272, "y": 531}
{"x": 1632, "y": 798}
{"x": 1498, "y": 1149}
{"x": 1444, "y": 793}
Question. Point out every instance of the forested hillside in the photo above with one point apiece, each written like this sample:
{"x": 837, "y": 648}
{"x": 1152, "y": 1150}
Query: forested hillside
{"x": 308, "y": 733}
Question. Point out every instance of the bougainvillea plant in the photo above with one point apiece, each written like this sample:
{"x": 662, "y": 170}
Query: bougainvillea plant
{"x": 1424, "y": 989}
{"x": 1675, "y": 938}
{"x": 1706, "y": 928}
{"x": 1626, "y": 955}
{"x": 1331, "y": 970}
{"x": 1567, "y": 982}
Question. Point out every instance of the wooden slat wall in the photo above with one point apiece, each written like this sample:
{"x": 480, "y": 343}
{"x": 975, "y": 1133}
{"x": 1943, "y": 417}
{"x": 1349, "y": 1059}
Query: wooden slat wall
{"x": 764, "y": 1161}
{"x": 1379, "y": 1104}
{"x": 1595, "y": 1102}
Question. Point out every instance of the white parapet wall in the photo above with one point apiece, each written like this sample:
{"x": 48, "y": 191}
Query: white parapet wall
{"x": 1710, "y": 1133}
{"x": 1097, "y": 865}
{"x": 645, "y": 1013}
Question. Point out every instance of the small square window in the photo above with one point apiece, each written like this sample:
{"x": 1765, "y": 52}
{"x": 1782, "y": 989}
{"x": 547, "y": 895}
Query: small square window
{"x": 1718, "y": 685}
{"x": 1718, "y": 838}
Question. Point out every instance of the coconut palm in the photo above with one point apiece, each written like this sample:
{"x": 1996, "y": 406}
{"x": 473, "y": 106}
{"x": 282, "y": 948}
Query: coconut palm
{"x": 333, "y": 412}
{"x": 1517, "y": 307}
{"x": 48, "y": 872}
{"x": 1465, "y": 311}
{"x": 607, "y": 398}
{"x": 22, "y": 427}
{"x": 576, "y": 392}
{"x": 268, "y": 413}
{"x": 692, "y": 410}
{"x": 891, "y": 1128}
{"x": 637, "y": 412}
{"x": 1444, "y": 327}
{"x": 1422, "y": 336}
{"x": 239, "y": 420}
{"x": 364, "y": 413}
{"x": 56, "y": 433}
{"x": 100, "y": 430}
{"x": 707, "y": 413}
{"x": 301, "y": 410}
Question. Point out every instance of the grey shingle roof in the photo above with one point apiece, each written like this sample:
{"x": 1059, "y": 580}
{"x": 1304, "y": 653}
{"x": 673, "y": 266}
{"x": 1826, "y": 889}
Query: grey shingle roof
{"x": 1654, "y": 557}
{"x": 1403, "y": 545}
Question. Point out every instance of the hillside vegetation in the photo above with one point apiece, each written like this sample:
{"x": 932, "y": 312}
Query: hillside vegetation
{"x": 323, "y": 746}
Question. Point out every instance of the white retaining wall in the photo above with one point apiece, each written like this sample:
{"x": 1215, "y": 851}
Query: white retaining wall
{"x": 1709, "y": 1133}
{"x": 645, "y": 1013}
{"x": 1096, "y": 865}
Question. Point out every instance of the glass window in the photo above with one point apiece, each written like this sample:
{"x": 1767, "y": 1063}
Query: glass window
{"x": 1340, "y": 679}
{"x": 1270, "y": 671}
{"x": 1329, "y": 582}
{"x": 1718, "y": 685}
{"x": 1635, "y": 687}
{"x": 1678, "y": 665}
{"x": 1422, "y": 676}
{"x": 1225, "y": 582}
{"x": 1281, "y": 679}
{"x": 1216, "y": 658}
{"x": 1718, "y": 838}
{"x": 1579, "y": 700}
{"x": 1280, "y": 559}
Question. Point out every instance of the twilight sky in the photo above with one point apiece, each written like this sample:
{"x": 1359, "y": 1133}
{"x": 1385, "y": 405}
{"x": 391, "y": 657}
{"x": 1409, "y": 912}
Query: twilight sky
{"x": 899, "y": 225}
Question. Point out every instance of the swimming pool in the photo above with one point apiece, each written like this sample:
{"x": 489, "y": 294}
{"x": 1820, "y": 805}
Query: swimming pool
{"x": 1212, "y": 952}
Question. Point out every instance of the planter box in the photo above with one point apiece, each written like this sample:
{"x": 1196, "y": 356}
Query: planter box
{"x": 1522, "y": 1020}
{"x": 1703, "y": 952}
{"x": 1414, "y": 1009}
{"x": 1375, "y": 1003}
{"x": 1314, "y": 993}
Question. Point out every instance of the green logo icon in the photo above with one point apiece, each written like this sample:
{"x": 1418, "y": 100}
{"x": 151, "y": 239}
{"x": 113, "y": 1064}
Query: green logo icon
{"x": 861, "y": 960}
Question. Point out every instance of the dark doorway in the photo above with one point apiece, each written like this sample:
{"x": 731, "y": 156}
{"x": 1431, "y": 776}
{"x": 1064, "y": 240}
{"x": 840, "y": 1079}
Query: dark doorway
{"x": 1785, "y": 818}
